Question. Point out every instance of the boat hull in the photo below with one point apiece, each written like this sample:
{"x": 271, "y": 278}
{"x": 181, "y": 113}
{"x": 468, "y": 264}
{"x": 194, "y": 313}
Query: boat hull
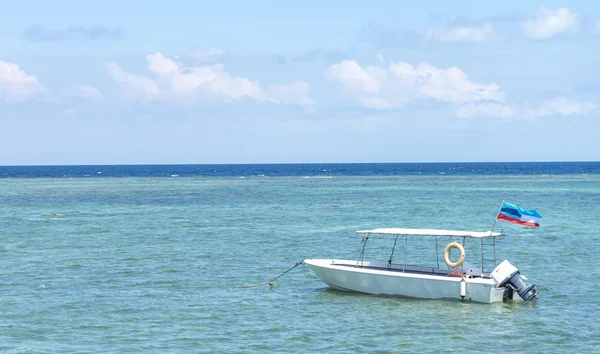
{"x": 409, "y": 281}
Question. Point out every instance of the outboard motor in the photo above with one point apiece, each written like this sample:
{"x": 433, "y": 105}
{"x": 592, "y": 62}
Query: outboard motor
{"x": 508, "y": 275}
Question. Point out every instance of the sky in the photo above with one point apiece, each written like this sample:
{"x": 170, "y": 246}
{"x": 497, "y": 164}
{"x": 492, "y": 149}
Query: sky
{"x": 199, "y": 82}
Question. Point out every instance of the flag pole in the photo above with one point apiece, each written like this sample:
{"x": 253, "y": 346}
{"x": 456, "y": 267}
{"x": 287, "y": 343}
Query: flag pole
{"x": 496, "y": 218}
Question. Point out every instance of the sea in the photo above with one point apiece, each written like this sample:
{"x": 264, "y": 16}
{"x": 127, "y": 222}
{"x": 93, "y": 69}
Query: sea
{"x": 162, "y": 258}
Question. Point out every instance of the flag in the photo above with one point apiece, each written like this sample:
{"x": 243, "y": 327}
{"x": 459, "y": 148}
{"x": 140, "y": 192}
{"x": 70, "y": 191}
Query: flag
{"x": 512, "y": 213}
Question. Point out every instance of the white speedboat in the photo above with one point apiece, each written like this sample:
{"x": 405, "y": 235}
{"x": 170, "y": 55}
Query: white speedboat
{"x": 456, "y": 281}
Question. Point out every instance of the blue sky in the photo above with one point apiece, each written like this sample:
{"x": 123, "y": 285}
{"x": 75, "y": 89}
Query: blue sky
{"x": 117, "y": 82}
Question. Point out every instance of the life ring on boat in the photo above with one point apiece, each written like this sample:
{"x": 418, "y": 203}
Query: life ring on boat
{"x": 461, "y": 259}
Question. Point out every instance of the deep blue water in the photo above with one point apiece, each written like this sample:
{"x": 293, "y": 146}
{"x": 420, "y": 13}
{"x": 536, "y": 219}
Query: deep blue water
{"x": 329, "y": 169}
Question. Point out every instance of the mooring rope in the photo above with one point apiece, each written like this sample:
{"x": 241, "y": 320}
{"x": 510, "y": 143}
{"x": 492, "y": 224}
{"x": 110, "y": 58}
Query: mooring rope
{"x": 272, "y": 281}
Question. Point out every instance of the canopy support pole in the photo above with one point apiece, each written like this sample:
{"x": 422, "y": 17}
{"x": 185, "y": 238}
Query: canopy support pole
{"x": 437, "y": 253}
{"x": 362, "y": 251}
{"x": 494, "y": 241}
{"x": 481, "y": 240}
{"x": 463, "y": 264}
{"x": 392, "y": 255}
{"x": 405, "y": 247}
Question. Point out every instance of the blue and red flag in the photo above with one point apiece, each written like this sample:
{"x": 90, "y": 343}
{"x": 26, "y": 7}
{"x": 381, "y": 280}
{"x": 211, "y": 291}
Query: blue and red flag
{"x": 512, "y": 213}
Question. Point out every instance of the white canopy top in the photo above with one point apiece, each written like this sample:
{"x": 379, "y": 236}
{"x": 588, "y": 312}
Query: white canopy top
{"x": 429, "y": 232}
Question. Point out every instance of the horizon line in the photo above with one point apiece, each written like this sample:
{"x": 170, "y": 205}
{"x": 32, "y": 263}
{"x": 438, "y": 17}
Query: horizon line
{"x": 298, "y": 163}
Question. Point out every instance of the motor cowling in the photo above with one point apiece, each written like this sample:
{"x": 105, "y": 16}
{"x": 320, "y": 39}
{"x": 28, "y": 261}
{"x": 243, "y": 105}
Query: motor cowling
{"x": 505, "y": 274}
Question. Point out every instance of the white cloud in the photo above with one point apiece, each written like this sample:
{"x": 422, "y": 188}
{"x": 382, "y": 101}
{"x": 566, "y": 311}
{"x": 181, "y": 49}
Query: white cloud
{"x": 557, "y": 105}
{"x": 561, "y": 105}
{"x": 356, "y": 78}
{"x": 294, "y": 93}
{"x": 548, "y": 23}
{"x": 380, "y": 87}
{"x": 211, "y": 80}
{"x": 16, "y": 85}
{"x": 461, "y": 34}
{"x": 175, "y": 81}
{"x": 493, "y": 109}
{"x": 134, "y": 85}
{"x": 85, "y": 91}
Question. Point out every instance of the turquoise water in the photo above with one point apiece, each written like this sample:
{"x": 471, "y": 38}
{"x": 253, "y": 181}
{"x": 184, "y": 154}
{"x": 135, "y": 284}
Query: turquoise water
{"x": 152, "y": 264}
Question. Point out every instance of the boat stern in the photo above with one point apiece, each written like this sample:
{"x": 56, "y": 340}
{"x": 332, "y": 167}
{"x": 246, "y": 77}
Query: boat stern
{"x": 508, "y": 276}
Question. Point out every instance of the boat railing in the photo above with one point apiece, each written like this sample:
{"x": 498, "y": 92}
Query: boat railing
{"x": 489, "y": 243}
